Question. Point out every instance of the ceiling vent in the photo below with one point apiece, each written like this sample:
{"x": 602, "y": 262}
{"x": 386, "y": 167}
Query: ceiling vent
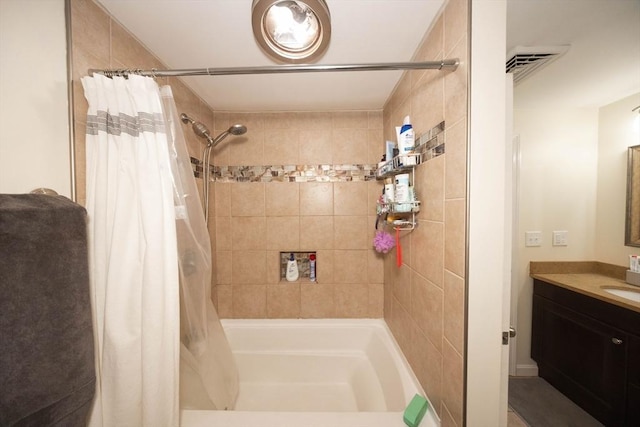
{"x": 522, "y": 61}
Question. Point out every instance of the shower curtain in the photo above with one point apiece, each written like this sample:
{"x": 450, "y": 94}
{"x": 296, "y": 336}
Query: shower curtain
{"x": 138, "y": 256}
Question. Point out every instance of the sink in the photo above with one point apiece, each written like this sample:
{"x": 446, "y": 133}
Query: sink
{"x": 629, "y": 294}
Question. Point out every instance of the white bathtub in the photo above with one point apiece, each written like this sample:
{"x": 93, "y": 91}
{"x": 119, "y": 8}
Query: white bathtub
{"x": 312, "y": 373}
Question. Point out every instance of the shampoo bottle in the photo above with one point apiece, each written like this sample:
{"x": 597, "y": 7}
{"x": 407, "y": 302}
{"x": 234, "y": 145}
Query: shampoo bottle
{"x": 312, "y": 267}
{"x": 407, "y": 138}
{"x": 292, "y": 269}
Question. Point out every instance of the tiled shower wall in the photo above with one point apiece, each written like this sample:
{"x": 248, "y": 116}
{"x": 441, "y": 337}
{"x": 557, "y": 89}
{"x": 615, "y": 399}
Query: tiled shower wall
{"x": 257, "y": 220}
{"x": 424, "y": 300}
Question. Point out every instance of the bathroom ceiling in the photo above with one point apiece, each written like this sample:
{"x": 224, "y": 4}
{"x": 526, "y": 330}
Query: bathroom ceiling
{"x": 601, "y": 66}
{"x": 218, "y": 34}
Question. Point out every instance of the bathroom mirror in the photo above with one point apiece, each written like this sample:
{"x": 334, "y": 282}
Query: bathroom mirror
{"x": 632, "y": 224}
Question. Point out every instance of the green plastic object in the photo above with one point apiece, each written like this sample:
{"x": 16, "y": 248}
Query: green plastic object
{"x": 415, "y": 411}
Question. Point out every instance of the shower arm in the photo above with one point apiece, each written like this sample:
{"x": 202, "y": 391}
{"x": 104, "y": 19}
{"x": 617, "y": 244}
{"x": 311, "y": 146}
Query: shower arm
{"x": 283, "y": 69}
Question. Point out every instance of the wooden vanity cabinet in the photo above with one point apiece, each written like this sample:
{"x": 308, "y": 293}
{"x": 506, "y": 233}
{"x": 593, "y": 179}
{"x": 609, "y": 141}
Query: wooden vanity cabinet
{"x": 589, "y": 350}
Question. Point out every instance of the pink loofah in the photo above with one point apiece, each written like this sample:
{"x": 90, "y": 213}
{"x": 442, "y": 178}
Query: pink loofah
{"x": 383, "y": 242}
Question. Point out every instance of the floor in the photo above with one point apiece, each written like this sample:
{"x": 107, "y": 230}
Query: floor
{"x": 533, "y": 402}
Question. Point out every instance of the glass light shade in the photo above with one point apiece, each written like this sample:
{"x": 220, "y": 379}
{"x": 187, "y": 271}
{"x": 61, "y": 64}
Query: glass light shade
{"x": 291, "y": 31}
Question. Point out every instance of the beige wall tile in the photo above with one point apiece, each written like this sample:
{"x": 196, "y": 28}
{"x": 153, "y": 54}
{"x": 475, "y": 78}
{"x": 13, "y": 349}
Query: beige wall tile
{"x": 249, "y": 302}
{"x": 247, "y": 150}
{"x": 281, "y": 147}
{"x": 455, "y": 84}
{"x": 223, "y": 233}
{"x": 316, "y": 232}
{"x": 402, "y": 327}
{"x": 283, "y": 233}
{"x": 456, "y": 161}
{"x": 455, "y": 23}
{"x": 325, "y": 266}
{"x": 225, "y": 301}
{"x": 248, "y": 199}
{"x": 283, "y": 301}
{"x": 90, "y": 29}
{"x": 222, "y": 199}
{"x": 453, "y": 387}
{"x": 350, "y": 266}
{"x": 316, "y": 198}
{"x": 310, "y": 120}
{"x": 350, "y": 146}
{"x": 454, "y": 297}
{"x": 352, "y": 300}
{"x": 249, "y": 267}
{"x": 248, "y": 233}
{"x": 282, "y": 198}
{"x": 280, "y": 120}
{"x": 274, "y": 274}
{"x": 427, "y": 363}
{"x": 375, "y": 267}
{"x": 350, "y": 120}
{"x": 375, "y": 146}
{"x": 376, "y": 300}
{"x": 374, "y": 120}
{"x": 350, "y": 198}
{"x": 223, "y": 267}
{"x": 430, "y": 189}
{"x": 126, "y": 50}
{"x": 427, "y": 302}
{"x": 315, "y": 146}
{"x": 316, "y": 301}
{"x": 455, "y": 226}
{"x": 425, "y": 115}
{"x": 427, "y": 250}
{"x": 351, "y": 232}
{"x": 401, "y": 285}
{"x": 431, "y": 49}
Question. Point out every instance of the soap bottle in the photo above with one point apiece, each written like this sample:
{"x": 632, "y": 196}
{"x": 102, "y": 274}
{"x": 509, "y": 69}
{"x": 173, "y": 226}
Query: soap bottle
{"x": 312, "y": 267}
{"x": 292, "y": 269}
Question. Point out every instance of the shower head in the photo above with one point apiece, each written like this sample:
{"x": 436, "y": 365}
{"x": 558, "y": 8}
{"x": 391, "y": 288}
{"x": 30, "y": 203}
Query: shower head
{"x": 202, "y": 131}
{"x": 198, "y": 128}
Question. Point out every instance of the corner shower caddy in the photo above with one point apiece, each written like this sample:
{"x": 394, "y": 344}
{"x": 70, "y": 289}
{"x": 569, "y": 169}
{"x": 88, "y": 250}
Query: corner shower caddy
{"x": 406, "y": 211}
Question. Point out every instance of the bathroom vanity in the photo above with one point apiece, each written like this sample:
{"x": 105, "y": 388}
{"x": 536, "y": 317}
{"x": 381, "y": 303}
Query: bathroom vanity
{"x": 586, "y": 340}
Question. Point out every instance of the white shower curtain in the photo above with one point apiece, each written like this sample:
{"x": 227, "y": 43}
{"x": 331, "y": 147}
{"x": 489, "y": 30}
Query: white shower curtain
{"x": 150, "y": 260}
{"x": 132, "y": 253}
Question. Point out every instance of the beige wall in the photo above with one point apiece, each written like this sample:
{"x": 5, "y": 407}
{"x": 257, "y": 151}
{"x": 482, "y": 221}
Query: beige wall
{"x": 424, "y": 299}
{"x": 618, "y": 129}
{"x": 34, "y": 109}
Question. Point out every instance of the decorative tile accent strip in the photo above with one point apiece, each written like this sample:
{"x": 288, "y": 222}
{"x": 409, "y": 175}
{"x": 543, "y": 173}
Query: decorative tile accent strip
{"x": 430, "y": 144}
{"x": 288, "y": 173}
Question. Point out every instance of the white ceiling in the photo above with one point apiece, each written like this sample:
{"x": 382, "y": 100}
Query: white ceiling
{"x": 601, "y": 66}
{"x": 217, "y": 33}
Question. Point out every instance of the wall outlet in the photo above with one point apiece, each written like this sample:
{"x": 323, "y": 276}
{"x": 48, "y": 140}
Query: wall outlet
{"x": 560, "y": 238}
{"x": 533, "y": 238}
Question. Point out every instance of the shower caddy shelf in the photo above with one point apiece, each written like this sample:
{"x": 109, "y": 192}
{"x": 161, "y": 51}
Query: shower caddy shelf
{"x": 406, "y": 211}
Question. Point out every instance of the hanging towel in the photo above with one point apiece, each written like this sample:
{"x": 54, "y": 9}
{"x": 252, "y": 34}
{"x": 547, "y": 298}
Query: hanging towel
{"x": 47, "y": 372}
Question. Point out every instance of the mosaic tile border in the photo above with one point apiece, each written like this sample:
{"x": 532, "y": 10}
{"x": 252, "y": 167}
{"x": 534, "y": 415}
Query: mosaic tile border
{"x": 430, "y": 144}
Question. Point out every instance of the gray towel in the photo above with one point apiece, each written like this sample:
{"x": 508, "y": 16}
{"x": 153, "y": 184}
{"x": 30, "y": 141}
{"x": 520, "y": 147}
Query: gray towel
{"x": 47, "y": 373}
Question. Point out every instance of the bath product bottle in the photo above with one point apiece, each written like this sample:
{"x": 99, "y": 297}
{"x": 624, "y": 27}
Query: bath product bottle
{"x": 312, "y": 267}
{"x": 292, "y": 269}
{"x": 407, "y": 138}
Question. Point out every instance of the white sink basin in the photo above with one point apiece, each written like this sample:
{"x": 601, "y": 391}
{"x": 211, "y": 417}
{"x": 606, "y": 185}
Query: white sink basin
{"x": 624, "y": 293}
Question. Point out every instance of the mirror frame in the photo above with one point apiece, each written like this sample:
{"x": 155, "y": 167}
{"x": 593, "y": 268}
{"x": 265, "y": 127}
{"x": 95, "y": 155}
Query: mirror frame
{"x": 632, "y": 222}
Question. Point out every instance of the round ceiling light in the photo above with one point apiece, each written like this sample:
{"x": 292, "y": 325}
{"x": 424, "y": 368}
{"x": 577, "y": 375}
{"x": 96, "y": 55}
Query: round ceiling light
{"x": 291, "y": 31}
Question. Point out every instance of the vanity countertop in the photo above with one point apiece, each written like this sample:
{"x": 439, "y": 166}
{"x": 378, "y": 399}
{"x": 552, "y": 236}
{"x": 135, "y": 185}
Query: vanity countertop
{"x": 587, "y": 278}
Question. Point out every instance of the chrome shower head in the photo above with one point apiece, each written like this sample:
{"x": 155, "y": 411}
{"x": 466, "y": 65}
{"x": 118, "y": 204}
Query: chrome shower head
{"x": 233, "y": 130}
{"x": 202, "y": 131}
{"x": 198, "y": 128}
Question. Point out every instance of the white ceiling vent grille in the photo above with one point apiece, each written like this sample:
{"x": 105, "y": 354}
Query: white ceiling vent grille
{"x": 522, "y": 61}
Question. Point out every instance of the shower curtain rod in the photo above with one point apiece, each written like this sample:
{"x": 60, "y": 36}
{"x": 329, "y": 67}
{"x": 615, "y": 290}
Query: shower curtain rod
{"x": 282, "y": 69}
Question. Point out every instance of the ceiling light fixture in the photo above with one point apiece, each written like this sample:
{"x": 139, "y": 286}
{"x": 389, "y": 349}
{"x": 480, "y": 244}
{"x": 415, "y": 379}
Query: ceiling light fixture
{"x": 291, "y": 31}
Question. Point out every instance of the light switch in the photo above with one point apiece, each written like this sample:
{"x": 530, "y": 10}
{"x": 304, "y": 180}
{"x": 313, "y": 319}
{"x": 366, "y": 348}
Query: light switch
{"x": 533, "y": 238}
{"x": 561, "y": 238}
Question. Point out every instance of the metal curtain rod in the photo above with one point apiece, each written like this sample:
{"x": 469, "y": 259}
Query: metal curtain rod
{"x": 433, "y": 65}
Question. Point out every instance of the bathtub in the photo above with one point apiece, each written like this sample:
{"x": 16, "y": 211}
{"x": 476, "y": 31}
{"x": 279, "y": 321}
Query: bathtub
{"x": 312, "y": 373}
